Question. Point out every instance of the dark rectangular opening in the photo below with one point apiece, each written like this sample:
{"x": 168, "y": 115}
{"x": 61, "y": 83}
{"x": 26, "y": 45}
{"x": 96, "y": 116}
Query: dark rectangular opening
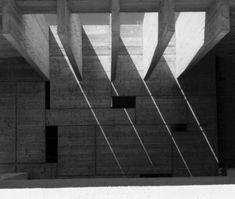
{"x": 123, "y": 102}
{"x": 179, "y": 127}
{"x": 51, "y": 144}
{"x": 47, "y": 95}
{"x": 155, "y": 175}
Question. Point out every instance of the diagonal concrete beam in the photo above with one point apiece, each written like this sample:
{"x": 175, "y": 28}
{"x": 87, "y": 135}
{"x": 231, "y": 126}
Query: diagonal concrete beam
{"x": 115, "y": 36}
{"x": 28, "y": 34}
{"x": 70, "y": 33}
{"x": 198, "y": 33}
{"x": 166, "y": 29}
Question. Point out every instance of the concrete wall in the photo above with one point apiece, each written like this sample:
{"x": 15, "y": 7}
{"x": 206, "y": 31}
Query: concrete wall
{"x": 70, "y": 111}
{"x": 82, "y": 148}
{"x": 22, "y": 123}
{"x": 226, "y": 92}
{"x": 199, "y": 85}
{"x": 225, "y": 98}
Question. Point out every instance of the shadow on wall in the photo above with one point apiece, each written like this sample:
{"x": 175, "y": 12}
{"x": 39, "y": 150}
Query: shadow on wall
{"x": 122, "y": 133}
{"x": 151, "y": 109}
{"x": 143, "y": 135}
{"x": 173, "y": 108}
{"x": 199, "y": 87}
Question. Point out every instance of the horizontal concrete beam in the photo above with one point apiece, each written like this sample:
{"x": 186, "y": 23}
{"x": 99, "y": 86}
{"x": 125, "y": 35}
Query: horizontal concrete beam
{"x": 91, "y": 6}
{"x": 66, "y": 117}
{"x": 29, "y": 35}
{"x": 198, "y": 33}
{"x": 70, "y": 33}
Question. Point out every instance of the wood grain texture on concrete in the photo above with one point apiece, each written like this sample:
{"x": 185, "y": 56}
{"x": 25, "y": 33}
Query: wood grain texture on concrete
{"x": 70, "y": 33}
{"x": 30, "y": 122}
{"x": 76, "y": 151}
{"x": 115, "y": 36}
{"x": 28, "y": 34}
{"x": 22, "y": 93}
{"x": 85, "y": 120}
{"x": 100, "y": 6}
{"x": 7, "y": 126}
{"x": 166, "y": 30}
{"x": 6, "y": 49}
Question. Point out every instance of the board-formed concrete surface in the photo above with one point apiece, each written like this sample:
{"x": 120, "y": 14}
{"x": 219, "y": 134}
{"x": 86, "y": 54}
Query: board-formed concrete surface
{"x": 129, "y": 133}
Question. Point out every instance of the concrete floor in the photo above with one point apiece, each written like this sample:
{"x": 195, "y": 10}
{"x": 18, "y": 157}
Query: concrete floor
{"x": 116, "y": 182}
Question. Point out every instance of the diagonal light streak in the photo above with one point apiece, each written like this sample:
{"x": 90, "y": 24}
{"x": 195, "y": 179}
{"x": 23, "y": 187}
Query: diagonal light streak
{"x": 191, "y": 108}
{"x": 167, "y": 127}
{"x": 197, "y": 121}
{"x": 135, "y": 130}
{"x": 54, "y": 31}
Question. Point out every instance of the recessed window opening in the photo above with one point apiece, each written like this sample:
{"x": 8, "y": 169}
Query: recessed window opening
{"x": 123, "y": 102}
{"x": 155, "y": 175}
{"x": 179, "y": 127}
{"x": 47, "y": 95}
{"x": 51, "y": 144}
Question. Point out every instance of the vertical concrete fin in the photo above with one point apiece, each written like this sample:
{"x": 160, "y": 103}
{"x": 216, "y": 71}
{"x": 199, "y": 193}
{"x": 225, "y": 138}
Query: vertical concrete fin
{"x": 70, "y": 34}
{"x": 115, "y": 29}
{"x": 166, "y": 30}
{"x": 198, "y": 33}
